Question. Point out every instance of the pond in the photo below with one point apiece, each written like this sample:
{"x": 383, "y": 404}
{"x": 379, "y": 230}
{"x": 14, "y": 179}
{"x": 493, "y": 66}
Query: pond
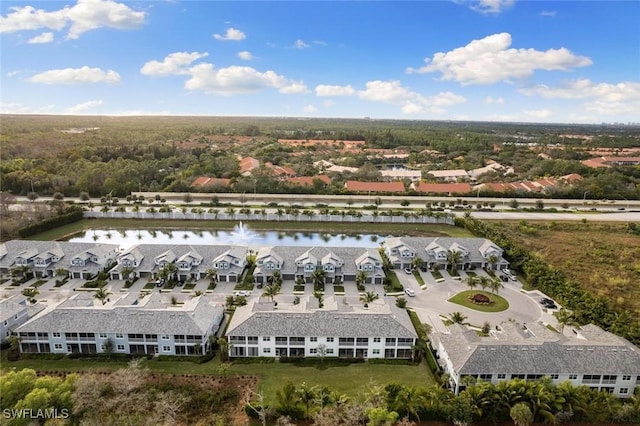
{"x": 240, "y": 235}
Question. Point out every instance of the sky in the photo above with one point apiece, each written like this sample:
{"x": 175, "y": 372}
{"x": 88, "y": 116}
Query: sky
{"x": 480, "y": 60}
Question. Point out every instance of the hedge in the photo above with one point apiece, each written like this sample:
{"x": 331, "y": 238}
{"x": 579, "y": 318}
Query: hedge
{"x": 71, "y": 214}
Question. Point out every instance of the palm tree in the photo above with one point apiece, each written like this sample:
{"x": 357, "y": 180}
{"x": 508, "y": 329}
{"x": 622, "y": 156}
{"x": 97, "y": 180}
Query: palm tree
{"x": 277, "y": 279}
{"x": 473, "y": 281}
{"x": 361, "y": 277}
{"x": 271, "y": 291}
{"x": 318, "y": 295}
{"x": 369, "y": 297}
{"x": 211, "y": 275}
{"x": 126, "y": 272}
{"x": 417, "y": 262}
{"x": 307, "y": 395}
{"x": 493, "y": 259}
{"x": 564, "y": 317}
{"x": 318, "y": 277}
{"x": 102, "y": 295}
{"x": 30, "y": 293}
{"x": 495, "y": 285}
{"x": 453, "y": 258}
{"x": 457, "y": 317}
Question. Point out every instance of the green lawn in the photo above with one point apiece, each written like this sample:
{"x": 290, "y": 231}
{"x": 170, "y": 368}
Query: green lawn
{"x": 499, "y": 303}
{"x": 419, "y": 278}
{"x": 353, "y": 380}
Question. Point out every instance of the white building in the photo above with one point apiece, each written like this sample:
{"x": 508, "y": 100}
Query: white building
{"x": 14, "y": 312}
{"x": 149, "y": 325}
{"x": 342, "y": 328}
{"x": 590, "y": 356}
{"x": 449, "y": 175}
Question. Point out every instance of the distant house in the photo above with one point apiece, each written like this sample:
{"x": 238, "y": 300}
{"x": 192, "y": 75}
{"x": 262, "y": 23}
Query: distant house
{"x": 357, "y": 186}
{"x": 309, "y": 180}
{"x": 449, "y": 175}
{"x": 247, "y": 165}
{"x": 341, "y": 328}
{"x": 14, "y": 312}
{"x": 476, "y": 252}
{"x": 443, "y": 188}
{"x": 280, "y": 172}
{"x": 413, "y": 175}
{"x": 622, "y": 161}
{"x": 589, "y": 356}
{"x": 208, "y": 182}
{"x": 147, "y": 325}
{"x": 338, "y": 263}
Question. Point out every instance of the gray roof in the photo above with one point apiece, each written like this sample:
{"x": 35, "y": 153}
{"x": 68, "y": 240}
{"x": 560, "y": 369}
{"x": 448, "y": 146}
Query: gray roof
{"x": 64, "y": 249}
{"x": 348, "y": 255}
{"x": 81, "y": 314}
{"x": 537, "y": 350}
{"x": 475, "y": 246}
{"x": 337, "y": 319}
{"x": 10, "y": 307}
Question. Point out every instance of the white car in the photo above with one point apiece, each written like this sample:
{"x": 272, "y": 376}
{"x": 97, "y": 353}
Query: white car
{"x": 409, "y": 292}
{"x": 243, "y": 293}
{"x": 408, "y": 271}
{"x": 507, "y": 271}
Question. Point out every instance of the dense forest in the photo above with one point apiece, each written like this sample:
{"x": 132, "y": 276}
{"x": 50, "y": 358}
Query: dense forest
{"x": 70, "y": 155}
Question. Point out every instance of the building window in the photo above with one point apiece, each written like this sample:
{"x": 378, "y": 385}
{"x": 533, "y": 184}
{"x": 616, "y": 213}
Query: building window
{"x": 376, "y": 351}
{"x": 57, "y": 346}
{"x": 376, "y": 340}
{"x": 390, "y": 341}
{"x": 166, "y": 348}
{"x": 165, "y": 337}
{"x": 554, "y": 376}
{"x": 103, "y": 335}
{"x": 624, "y": 391}
{"x": 329, "y": 351}
{"x": 6, "y": 322}
{"x": 502, "y": 376}
{"x": 313, "y": 351}
{"x": 313, "y": 339}
{"x": 486, "y": 377}
{"x": 266, "y": 350}
{"x": 573, "y": 376}
{"x": 56, "y": 334}
{"x": 120, "y": 347}
{"x": 119, "y": 336}
{"x": 626, "y": 378}
{"x": 329, "y": 339}
{"x": 266, "y": 339}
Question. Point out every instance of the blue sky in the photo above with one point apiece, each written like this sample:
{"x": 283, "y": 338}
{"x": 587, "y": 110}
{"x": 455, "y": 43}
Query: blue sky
{"x": 494, "y": 60}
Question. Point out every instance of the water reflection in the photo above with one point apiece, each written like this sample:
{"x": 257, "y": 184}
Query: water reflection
{"x": 242, "y": 236}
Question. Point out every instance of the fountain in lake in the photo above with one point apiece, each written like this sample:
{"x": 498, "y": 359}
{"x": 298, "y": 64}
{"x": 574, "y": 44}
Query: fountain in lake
{"x": 244, "y": 233}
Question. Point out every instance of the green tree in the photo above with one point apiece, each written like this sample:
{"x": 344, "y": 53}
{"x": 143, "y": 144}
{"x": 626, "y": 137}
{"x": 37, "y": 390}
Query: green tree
{"x": 102, "y": 295}
{"x": 271, "y": 291}
{"x": 369, "y": 297}
{"x": 457, "y": 317}
{"x": 361, "y": 278}
{"x": 318, "y": 276}
{"x": 564, "y": 318}
{"x": 453, "y": 258}
{"x": 30, "y": 293}
{"x": 521, "y": 414}
{"x": 379, "y": 416}
{"x": 307, "y": 396}
{"x": 320, "y": 296}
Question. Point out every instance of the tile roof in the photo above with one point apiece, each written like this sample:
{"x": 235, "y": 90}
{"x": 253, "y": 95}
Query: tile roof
{"x": 353, "y": 185}
{"x": 308, "y": 180}
{"x": 210, "y": 181}
{"x": 452, "y": 188}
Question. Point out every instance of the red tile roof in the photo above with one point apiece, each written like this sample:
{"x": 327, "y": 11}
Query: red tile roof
{"x": 248, "y": 163}
{"x": 207, "y": 181}
{"x": 353, "y": 185}
{"x": 308, "y": 180}
{"x": 444, "y": 188}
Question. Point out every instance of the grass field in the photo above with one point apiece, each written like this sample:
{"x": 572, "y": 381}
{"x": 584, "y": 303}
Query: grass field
{"x": 353, "y": 380}
{"x": 604, "y": 258}
{"x": 499, "y": 303}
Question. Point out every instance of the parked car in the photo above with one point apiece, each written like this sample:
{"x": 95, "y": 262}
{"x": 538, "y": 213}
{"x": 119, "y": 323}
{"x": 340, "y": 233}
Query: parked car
{"x": 409, "y": 292}
{"x": 513, "y": 277}
{"x": 506, "y": 271}
{"x": 408, "y": 271}
{"x": 504, "y": 278}
{"x": 159, "y": 282}
{"x": 243, "y": 293}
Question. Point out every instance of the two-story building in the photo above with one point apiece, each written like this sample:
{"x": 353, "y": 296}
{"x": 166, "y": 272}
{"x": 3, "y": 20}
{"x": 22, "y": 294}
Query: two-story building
{"x": 434, "y": 252}
{"x": 588, "y": 356}
{"x": 149, "y": 325}
{"x": 342, "y": 328}
{"x": 15, "y": 311}
{"x": 339, "y": 264}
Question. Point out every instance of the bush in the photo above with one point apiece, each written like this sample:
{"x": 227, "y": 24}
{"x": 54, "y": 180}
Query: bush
{"x": 70, "y": 215}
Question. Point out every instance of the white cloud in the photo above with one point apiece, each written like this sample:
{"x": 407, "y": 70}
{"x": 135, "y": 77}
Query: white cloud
{"x": 601, "y": 98}
{"x": 491, "y": 100}
{"x": 489, "y": 60}
{"x": 539, "y": 114}
{"x": 393, "y": 92}
{"x": 76, "y": 76}
{"x": 236, "y": 79}
{"x": 231, "y": 34}
{"x": 296, "y": 87}
{"x": 42, "y": 38}
{"x": 327, "y": 90}
{"x": 24, "y": 109}
{"x": 172, "y": 64}
{"x": 300, "y": 44}
{"x": 491, "y": 6}
{"x": 310, "y": 109}
{"x": 83, "y": 107}
{"x": 550, "y": 13}
{"x": 245, "y": 55}
{"x": 85, "y": 15}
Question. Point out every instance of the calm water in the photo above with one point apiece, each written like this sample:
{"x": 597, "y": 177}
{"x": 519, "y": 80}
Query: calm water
{"x": 241, "y": 235}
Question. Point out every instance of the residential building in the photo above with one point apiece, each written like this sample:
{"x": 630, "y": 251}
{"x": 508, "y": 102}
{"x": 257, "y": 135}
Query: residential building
{"x": 475, "y": 252}
{"x": 394, "y": 174}
{"x": 309, "y": 180}
{"x": 191, "y": 261}
{"x": 247, "y": 165}
{"x": 342, "y": 328}
{"x": 443, "y": 188}
{"x": 340, "y": 264}
{"x": 43, "y": 258}
{"x": 149, "y": 325}
{"x": 15, "y": 311}
{"x": 449, "y": 175}
{"x": 357, "y": 186}
{"x": 589, "y": 356}
{"x": 210, "y": 182}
